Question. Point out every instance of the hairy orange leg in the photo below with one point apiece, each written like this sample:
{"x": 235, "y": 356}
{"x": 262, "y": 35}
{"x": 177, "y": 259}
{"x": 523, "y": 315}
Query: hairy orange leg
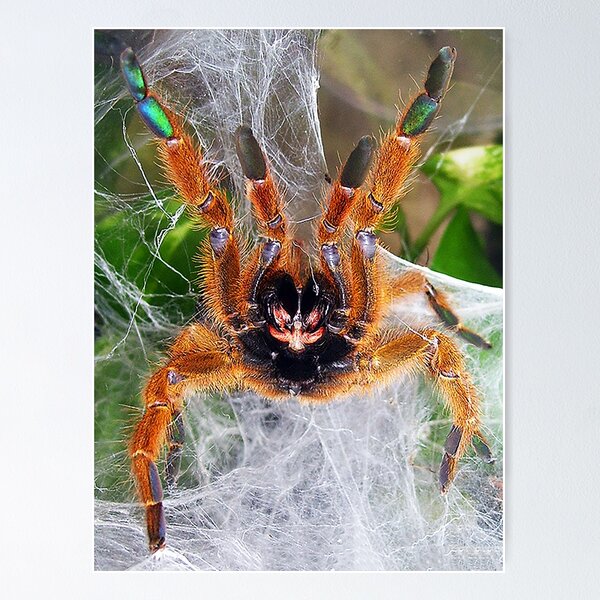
{"x": 260, "y": 187}
{"x": 185, "y": 168}
{"x": 161, "y": 423}
{"x": 343, "y": 196}
{"x": 395, "y": 160}
{"x": 399, "y": 149}
{"x": 431, "y": 352}
{"x": 268, "y": 211}
{"x": 414, "y": 282}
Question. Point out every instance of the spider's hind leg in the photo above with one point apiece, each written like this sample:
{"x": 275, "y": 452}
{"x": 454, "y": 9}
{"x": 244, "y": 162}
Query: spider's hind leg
{"x": 197, "y": 362}
{"x": 414, "y": 282}
{"x": 176, "y": 438}
{"x": 433, "y": 353}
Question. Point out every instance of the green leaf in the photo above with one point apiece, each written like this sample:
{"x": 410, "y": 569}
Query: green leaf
{"x": 461, "y": 253}
{"x": 469, "y": 177}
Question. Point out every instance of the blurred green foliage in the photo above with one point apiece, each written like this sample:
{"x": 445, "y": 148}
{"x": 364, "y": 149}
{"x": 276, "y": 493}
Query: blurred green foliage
{"x": 469, "y": 180}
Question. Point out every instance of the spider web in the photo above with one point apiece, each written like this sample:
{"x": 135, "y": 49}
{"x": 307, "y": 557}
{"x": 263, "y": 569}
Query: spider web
{"x": 351, "y": 485}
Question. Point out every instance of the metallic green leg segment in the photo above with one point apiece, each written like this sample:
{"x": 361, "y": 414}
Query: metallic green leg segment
{"x": 149, "y": 108}
{"x": 425, "y": 107}
{"x": 134, "y": 78}
{"x": 155, "y": 117}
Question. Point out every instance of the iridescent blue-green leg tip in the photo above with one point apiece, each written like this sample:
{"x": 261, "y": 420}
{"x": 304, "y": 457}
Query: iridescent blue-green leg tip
{"x": 425, "y": 107}
{"x": 134, "y": 77}
{"x": 155, "y": 117}
{"x": 149, "y": 108}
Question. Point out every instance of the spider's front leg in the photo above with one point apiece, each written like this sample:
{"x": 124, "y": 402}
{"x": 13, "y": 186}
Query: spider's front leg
{"x": 267, "y": 206}
{"x": 433, "y": 353}
{"x": 185, "y": 168}
{"x": 396, "y": 157}
{"x": 161, "y": 423}
{"x": 399, "y": 149}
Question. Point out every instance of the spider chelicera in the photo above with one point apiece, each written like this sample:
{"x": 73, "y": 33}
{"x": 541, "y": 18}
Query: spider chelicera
{"x": 275, "y": 325}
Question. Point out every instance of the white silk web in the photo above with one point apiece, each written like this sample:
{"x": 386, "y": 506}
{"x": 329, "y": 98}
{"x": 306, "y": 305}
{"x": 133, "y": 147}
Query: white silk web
{"x": 351, "y": 485}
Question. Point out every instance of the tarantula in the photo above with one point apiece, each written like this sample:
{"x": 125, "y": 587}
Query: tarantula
{"x": 279, "y": 327}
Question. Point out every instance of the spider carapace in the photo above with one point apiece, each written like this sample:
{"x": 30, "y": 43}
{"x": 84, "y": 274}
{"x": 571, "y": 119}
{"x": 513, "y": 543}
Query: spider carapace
{"x": 280, "y": 324}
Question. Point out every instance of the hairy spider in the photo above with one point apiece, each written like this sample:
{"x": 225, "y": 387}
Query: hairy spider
{"x": 277, "y": 326}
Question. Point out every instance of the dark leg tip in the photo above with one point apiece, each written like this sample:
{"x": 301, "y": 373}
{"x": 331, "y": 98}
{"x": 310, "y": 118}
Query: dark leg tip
{"x": 156, "y": 545}
{"x": 155, "y": 520}
{"x": 358, "y": 164}
{"x": 134, "y": 77}
{"x": 483, "y": 450}
{"x": 474, "y": 338}
{"x": 444, "y": 475}
{"x": 453, "y": 440}
{"x": 440, "y": 73}
{"x": 250, "y": 154}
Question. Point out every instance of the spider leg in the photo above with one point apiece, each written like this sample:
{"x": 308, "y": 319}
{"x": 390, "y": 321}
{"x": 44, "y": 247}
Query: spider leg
{"x": 431, "y": 352}
{"x": 176, "y": 438}
{"x": 160, "y": 424}
{"x": 260, "y": 187}
{"x": 273, "y": 225}
{"x": 185, "y": 168}
{"x": 399, "y": 149}
{"x": 344, "y": 193}
{"x": 398, "y": 152}
{"x": 413, "y": 282}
